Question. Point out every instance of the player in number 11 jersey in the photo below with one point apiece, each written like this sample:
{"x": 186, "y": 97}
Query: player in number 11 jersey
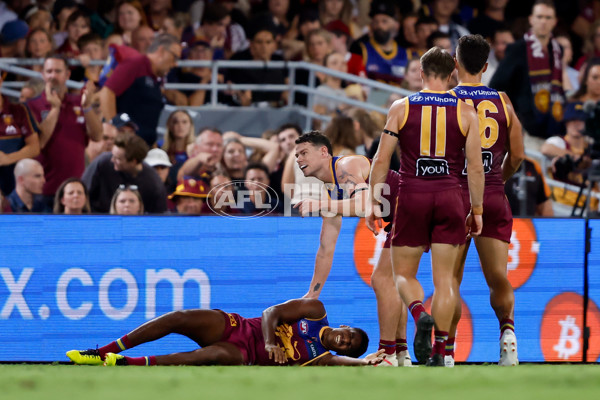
{"x": 502, "y": 153}
{"x": 432, "y": 128}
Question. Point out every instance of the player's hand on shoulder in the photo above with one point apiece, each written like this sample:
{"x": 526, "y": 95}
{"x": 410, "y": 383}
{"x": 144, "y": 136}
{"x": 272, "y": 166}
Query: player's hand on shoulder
{"x": 276, "y": 353}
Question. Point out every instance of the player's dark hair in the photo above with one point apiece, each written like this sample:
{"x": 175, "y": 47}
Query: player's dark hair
{"x": 364, "y": 344}
{"x": 437, "y": 62}
{"x": 316, "y": 138}
{"x": 472, "y": 53}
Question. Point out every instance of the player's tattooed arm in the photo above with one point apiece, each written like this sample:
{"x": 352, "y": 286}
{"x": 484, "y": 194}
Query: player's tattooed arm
{"x": 351, "y": 172}
{"x": 330, "y": 231}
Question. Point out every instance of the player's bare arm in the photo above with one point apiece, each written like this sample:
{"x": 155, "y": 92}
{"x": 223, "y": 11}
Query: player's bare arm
{"x": 381, "y": 163}
{"x": 330, "y": 359}
{"x": 291, "y": 310}
{"x": 516, "y": 149}
{"x": 330, "y": 230}
{"x": 352, "y": 172}
{"x": 475, "y": 173}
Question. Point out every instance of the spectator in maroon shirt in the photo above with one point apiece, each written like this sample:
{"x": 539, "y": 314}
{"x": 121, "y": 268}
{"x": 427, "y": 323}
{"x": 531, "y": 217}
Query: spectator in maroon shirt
{"x": 66, "y": 121}
{"x": 18, "y": 140}
{"x": 134, "y": 87}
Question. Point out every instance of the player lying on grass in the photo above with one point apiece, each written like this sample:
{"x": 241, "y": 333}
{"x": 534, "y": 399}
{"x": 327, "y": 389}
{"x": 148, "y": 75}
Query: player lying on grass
{"x": 292, "y": 333}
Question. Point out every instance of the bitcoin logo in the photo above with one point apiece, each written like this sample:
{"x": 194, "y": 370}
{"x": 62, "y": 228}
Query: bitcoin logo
{"x": 522, "y": 252}
{"x": 568, "y": 343}
{"x": 561, "y": 330}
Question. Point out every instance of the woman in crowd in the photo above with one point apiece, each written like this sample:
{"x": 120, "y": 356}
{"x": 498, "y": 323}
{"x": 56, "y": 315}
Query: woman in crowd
{"x": 72, "y": 198}
{"x": 342, "y": 135}
{"x": 338, "y": 10}
{"x": 235, "y": 159}
{"x": 331, "y": 86}
{"x": 127, "y": 200}
{"x": 130, "y": 15}
{"x": 589, "y": 90}
{"x": 412, "y": 78}
{"x": 39, "y": 45}
{"x": 180, "y": 134}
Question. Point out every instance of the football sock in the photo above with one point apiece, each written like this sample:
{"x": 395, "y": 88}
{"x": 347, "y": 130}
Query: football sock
{"x": 505, "y": 324}
{"x": 401, "y": 345}
{"x": 115, "y": 347}
{"x": 416, "y": 308}
{"x": 439, "y": 346}
{"x": 388, "y": 345}
{"x": 142, "y": 361}
{"x": 450, "y": 347}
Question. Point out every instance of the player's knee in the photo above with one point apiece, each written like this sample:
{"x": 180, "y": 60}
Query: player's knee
{"x": 176, "y": 318}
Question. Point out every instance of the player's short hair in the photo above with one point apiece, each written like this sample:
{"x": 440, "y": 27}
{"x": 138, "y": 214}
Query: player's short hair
{"x": 364, "y": 344}
{"x": 316, "y": 138}
{"x": 472, "y": 53}
{"x": 437, "y": 62}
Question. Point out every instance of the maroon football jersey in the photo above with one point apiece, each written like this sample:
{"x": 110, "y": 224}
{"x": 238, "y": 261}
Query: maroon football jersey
{"x": 493, "y": 128}
{"x": 431, "y": 140}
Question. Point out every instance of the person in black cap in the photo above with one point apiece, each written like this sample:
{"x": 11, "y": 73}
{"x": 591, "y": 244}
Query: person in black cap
{"x": 12, "y": 38}
{"x": 382, "y": 56}
{"x": 124, "y": 123}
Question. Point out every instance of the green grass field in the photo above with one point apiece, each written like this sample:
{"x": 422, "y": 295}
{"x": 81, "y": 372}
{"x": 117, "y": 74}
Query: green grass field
{"x": 481, "y": 382}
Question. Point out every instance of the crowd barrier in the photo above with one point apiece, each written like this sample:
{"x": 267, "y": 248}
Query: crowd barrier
{"x": 74, "y": 282}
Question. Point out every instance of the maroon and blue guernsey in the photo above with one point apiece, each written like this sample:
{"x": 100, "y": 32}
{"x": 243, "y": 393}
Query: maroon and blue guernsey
{"x": 493, "y": 127}
{"x": 431, "y": 139}
{"x": 300, "y": 340}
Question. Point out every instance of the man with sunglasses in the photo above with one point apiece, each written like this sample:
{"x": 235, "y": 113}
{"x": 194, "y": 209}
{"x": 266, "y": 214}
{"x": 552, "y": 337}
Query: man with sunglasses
{"x": 134, "y": 87}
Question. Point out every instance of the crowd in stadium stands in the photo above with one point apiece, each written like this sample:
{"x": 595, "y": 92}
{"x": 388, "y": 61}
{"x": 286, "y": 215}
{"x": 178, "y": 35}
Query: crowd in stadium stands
{"x": 97, "y": 149}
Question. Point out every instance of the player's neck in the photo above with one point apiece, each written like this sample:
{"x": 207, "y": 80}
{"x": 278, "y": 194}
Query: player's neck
{"x": 469, "y": 79}
{"x": 324, "y": 174}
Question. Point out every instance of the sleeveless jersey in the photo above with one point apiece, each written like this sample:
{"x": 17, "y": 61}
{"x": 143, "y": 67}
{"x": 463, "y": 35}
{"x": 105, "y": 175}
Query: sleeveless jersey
{"x": 389, "y": 68}
{"x": 334, "y": 190}
{"x": 493, "y": 128}
{"x": 300, "y": 340}
{"x": 431, "y": 140}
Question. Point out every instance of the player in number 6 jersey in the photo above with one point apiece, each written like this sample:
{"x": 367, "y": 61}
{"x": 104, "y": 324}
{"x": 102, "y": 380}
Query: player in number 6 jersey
{"x": 432, "y": 128}
{"x": 502, "y": 152}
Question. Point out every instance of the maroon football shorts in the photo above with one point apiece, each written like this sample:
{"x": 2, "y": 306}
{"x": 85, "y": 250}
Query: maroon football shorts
{"x": 497, "y": 216}
{"x": 423, "y": 218}
{"x": 243, "y": 333}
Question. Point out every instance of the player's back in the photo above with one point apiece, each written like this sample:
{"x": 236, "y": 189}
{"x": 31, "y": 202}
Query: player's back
{"x": 493, "y": 127}
{"x": 431, "y": 140}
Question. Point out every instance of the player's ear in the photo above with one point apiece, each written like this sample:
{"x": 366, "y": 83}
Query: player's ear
{"x": 484, "y": 68}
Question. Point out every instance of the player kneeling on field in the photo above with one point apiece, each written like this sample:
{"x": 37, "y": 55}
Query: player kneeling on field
{"x": 292, "y": 333}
